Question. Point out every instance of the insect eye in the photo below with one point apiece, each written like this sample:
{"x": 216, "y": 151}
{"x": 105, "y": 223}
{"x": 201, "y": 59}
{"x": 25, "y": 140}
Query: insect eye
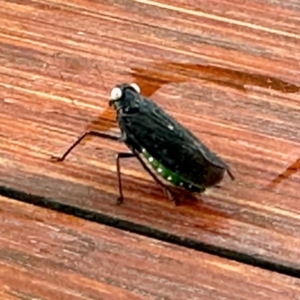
{"x": 116, "y": 93}
{"x": 136, "y": 87}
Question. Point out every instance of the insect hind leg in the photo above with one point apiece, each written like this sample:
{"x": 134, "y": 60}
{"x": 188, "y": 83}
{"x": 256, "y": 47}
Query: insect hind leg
{"x": 123, "y": 155}
{"x": 166, "y": 189}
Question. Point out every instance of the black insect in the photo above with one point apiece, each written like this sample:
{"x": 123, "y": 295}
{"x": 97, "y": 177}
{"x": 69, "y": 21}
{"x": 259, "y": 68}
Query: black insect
{"x": 162, "y": 145}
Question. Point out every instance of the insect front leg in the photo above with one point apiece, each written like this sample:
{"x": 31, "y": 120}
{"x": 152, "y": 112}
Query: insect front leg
{"x": 79, "y": 139}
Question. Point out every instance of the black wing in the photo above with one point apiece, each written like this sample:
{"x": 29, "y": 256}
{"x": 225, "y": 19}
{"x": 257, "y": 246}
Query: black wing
{"x": 170, "y": 143}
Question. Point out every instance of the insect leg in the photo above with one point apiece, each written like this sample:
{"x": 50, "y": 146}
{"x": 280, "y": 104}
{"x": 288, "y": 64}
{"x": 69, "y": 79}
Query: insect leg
{"x": 230, "y": 174}
{"x": 118, "y": 157}
{"x": 166, "y": 189}
{"x": 79, "y": 139}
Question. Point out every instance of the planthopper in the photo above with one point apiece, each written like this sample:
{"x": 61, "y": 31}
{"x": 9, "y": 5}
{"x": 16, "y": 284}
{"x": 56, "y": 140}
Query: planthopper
{"x": 168, "y": 151}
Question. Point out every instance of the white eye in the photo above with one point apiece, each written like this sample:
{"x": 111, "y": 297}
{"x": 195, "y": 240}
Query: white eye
{"x": 136, "y": 87}
{"x": 115, "y": 93}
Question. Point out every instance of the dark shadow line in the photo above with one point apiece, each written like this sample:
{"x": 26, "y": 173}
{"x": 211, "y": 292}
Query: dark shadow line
{"x": 147, "y": 231}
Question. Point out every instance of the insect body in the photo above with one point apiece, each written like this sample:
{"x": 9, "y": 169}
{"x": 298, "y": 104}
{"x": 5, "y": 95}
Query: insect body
{"x": 170, "y": 149}
{"x": 165, "y": 148}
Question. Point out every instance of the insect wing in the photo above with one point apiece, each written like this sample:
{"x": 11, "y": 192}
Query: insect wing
{"x": 171, "y": 144}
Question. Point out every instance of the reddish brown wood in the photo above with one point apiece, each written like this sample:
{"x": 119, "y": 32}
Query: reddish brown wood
{"x": 49, "y": 255}
{"x": 231, "y": 77}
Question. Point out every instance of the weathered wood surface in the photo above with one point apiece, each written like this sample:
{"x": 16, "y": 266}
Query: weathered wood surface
{"x": 228, "y": 71}
{"x": 49, "y": 255}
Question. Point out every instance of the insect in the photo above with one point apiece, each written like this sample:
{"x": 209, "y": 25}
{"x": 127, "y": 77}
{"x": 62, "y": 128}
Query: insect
{"x": 169, "y": 152}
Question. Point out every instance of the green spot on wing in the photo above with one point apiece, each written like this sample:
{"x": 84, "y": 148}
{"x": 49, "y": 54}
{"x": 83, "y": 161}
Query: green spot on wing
{"x": 168, "y": 175}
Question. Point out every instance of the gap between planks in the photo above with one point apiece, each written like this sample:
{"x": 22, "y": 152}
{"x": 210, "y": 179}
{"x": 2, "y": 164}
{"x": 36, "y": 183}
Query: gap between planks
{"x": 57, "y": 256}
{"x": 146, "y": 231}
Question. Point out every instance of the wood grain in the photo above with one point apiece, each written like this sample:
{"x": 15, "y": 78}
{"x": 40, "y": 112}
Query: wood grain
{"x": 228, "y": 71}
{"x": 56, "y": 256}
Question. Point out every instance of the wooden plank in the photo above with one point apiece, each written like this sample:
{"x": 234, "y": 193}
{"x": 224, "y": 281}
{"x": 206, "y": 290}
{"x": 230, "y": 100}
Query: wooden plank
{"x": 232, "y": 82}
{"x": 56, "y": 256}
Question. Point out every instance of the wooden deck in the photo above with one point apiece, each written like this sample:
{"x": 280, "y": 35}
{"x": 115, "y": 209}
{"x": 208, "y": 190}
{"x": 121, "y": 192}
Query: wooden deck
{"x": 227, "y": 70}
